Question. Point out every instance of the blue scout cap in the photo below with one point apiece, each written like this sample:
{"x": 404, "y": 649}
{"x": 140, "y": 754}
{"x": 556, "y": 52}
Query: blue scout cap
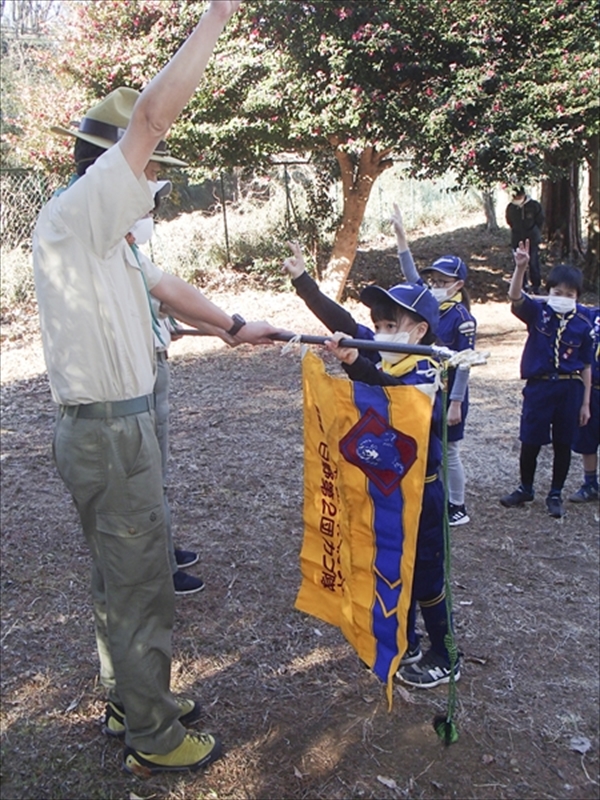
{"x": 453, "y": 266}
{"x": 414, "y": 297}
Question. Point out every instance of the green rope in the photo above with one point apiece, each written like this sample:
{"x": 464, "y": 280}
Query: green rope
{"x": 444, "y": 725}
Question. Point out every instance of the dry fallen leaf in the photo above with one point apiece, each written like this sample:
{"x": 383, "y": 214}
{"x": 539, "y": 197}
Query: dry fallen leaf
{"x": 405, "y": 694}
{"x": 297, "y": 773}
{"x": 389, "y": 782}
{"x": 581, "y": 744}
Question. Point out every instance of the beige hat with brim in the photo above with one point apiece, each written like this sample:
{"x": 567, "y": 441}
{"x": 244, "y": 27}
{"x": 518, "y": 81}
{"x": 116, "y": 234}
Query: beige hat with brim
{"x": 105, "y": 124}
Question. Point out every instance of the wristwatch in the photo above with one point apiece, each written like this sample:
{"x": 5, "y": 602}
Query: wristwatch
{"x": 238, "y": 323}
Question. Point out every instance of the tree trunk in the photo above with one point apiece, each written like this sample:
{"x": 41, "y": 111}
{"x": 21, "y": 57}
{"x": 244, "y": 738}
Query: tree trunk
{"x": 560, "y": 200}
{"x": 357, "y": 182}
{"x": 489, "y": 206}
{"x": 591, "y": 270}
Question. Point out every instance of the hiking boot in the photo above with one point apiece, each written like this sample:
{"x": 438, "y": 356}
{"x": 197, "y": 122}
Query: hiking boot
{"x": 585, "y": 494}
{"x": 114, "y": 716}
{"x": 196, "y": 750}
{"x": 457, "y": 515}
{"x": 555, "y": 506}
{"x": 186, "y": 558}
{"x": 412, "y": 655}
{"x": 517, "y": 498}
{"x": 186, "y": 584}
{"x": 432, "y": 670}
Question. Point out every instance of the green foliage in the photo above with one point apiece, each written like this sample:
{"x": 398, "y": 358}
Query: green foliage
{"x": 502, "y": 91}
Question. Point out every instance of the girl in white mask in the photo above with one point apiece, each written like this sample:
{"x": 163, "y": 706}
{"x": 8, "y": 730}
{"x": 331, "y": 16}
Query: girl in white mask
{"x": 456, "y": 330}
{"x": 556, "y": 364}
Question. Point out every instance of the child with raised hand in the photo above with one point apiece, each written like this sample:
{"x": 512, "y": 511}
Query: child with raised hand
{"x": 409, "y": 314}
{"x": 556, "y": 364}
{"x": 446, "y": 278}
{"x": 587, "y": 438}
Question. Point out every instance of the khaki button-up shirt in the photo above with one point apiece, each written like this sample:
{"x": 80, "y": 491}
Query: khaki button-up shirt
{"x": 93, "y": 304}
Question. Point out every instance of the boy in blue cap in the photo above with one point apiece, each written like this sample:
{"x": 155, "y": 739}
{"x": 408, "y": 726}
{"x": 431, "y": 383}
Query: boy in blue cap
{"x": 556, "y": 364}
{"x": 409, "y": 314}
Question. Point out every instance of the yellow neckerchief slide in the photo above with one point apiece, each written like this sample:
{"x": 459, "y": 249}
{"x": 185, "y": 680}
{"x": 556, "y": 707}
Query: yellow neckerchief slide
{"x": 407, "y": 365}
{"x": 452, "y": 301}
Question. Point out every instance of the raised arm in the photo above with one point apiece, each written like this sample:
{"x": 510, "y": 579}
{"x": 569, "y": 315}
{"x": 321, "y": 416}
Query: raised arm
{"x": 324, "y": 308}
{"x": 521, "y": 254}
{"x": 168, "y": 93}
{"x": 407, "y": 265}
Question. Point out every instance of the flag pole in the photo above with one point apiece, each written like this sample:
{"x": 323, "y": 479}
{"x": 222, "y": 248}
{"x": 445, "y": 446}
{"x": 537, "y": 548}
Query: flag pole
{"x": 360, "y": 344}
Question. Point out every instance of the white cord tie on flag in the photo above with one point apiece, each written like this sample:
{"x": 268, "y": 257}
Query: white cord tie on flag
{"x": 297, "y": 339}
{"x": 464, "y": 359}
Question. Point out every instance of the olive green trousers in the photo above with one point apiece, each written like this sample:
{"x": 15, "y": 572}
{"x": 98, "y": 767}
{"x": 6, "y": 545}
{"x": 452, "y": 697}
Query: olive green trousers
{"x": 112, "y": 468}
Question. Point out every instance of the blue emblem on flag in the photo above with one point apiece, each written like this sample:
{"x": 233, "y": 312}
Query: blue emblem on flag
{"x": 383, "y": 453}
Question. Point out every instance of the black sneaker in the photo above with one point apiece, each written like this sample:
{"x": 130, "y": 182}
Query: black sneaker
{"x": 412, "y": 655}
{"x": 114, "y": 715}
{"x": 555, "y": 506}
{"x": 517, "y": 498}
{"x": 186, "y": 584}
{"x": 186, "y": 558}
{"x": 457, "y": 515}
{"x": 432, "y": 670}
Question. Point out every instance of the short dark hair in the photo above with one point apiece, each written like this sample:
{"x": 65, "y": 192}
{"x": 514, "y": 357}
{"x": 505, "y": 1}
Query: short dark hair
{"x": 85, "y": 155}
{"x": 570, "y": 276}
{"x": 391, "y": 310}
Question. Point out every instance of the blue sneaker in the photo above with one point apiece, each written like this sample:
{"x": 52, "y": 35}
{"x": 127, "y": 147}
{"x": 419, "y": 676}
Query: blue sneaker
{"x": 555, "y": 506}
{"x": 185, "y": 558}
{"x": 517, "y": 498}
{"x": 186, "y": 584}
{"x": 585, "y": 494}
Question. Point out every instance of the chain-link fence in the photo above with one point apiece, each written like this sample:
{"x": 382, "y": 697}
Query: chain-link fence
{"x": 23, "y": 192}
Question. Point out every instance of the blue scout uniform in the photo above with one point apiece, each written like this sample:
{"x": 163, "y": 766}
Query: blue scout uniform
{"x": 456, "y": 330}
{"x": 557, "y": 349}
{"x": 587, "y": 438}
{"x": 428, "y": 579}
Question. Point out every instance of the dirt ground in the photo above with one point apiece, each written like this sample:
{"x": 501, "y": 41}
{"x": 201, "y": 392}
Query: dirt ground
{"x": 299, "y": 717}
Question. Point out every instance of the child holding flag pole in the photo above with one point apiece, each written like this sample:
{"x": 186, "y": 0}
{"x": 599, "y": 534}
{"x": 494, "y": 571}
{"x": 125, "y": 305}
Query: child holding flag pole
{"x": 406, "y": 314}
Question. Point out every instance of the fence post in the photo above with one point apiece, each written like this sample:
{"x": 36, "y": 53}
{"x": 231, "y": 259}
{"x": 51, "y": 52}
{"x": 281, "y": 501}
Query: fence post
{"x": 225, "y": 218}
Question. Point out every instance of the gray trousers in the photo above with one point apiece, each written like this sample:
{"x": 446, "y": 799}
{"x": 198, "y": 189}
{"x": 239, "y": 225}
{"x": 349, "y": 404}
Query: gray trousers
{"x": 162, "y": 385}
{"x": 112, "y": 467}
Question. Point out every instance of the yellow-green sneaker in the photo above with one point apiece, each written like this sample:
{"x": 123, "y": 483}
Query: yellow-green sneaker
{"x": 197, "y": 750}
{"x": 114, "y": 715}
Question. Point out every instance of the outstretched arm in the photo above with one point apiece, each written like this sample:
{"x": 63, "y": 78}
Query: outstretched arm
{"x": 167, "y": 94}
{"x": 187, "y": 303}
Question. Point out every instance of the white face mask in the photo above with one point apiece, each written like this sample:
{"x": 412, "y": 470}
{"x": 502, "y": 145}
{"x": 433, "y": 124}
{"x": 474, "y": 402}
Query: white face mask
{"x": 153, "y": 186}
{"x": 142, "y": 230}
{"x": 562, "y": 305}
{"x": 443, "y": 292}
{"x": 401, "y": 337}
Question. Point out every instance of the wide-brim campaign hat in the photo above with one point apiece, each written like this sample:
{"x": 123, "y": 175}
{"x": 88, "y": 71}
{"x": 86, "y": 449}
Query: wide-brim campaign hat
{"x": 412, "y": 296}
{"x": 452, "y": 266}
{"x": 105, "y": 124}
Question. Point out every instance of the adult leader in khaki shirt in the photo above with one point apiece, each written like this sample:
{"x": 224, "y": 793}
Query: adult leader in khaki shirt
{"x": 93, "y": 305}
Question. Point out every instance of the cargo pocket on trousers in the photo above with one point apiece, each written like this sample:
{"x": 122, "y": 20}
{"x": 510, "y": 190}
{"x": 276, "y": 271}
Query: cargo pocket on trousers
{"x": 133, "y": 546}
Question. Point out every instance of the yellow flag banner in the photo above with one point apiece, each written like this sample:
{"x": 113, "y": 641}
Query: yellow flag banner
{"x": 365, "y": 453}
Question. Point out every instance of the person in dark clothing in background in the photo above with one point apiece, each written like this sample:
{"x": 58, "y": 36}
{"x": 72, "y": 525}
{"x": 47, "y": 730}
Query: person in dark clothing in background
{"x": 525, "y": 217}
